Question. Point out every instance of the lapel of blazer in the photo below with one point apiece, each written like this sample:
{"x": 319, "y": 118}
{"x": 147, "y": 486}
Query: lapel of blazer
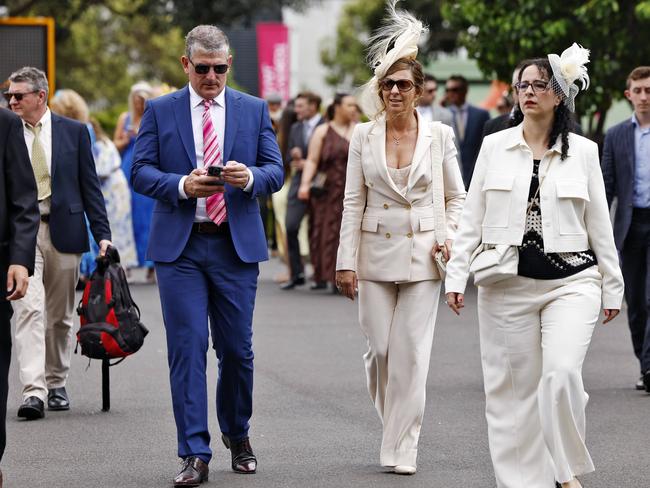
{"x": 420, "y": 164}
{"x": 183, "y": 118}
{"x": 377, "y": 142}
{"x": 630, "y": 147}
{"x": 233, "y": 114}
{"x": 56, "y": 143}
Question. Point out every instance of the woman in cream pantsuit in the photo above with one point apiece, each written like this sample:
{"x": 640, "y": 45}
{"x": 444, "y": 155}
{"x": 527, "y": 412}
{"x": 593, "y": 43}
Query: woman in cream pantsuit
{"x": 387, "y": 241}
{"x": 540, "y": 188}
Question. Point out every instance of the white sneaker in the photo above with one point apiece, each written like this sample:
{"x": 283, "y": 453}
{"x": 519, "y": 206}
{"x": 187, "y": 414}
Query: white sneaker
{"x": 403, "y": 469}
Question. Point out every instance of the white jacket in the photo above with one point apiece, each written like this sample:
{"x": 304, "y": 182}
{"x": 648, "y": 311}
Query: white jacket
{"x": 387, "y": 235}
{"x": 575, "y": 215}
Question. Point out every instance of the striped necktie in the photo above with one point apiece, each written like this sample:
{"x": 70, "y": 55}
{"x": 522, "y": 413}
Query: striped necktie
{"x": 39, "y": 163}
{"x": 215, "y": 205}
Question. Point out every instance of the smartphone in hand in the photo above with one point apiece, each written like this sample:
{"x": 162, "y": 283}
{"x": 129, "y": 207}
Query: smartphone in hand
{"x": 216, "y": 171}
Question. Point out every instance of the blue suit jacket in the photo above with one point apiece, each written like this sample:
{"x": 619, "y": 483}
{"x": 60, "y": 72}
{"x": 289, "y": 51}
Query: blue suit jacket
{"x": 165, "y": 152}
{"x": 75, "y": 189}
{"x": 618, "y": 172}
{"x": 470, "y": 146}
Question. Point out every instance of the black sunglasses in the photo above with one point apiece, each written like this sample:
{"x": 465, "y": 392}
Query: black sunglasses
{"x": 387, "y": 84}
{"x": 453, "y": 89}
{"x": 204, "y": 69}
{"x": 17, "y": 96}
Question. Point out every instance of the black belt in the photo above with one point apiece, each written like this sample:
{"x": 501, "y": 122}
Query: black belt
{"x": 45, "y": 218}
{"x": 211, "y": 228}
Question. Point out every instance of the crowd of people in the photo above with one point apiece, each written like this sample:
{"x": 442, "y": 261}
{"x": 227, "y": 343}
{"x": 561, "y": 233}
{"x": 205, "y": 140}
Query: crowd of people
{"x": 384, "y": 210}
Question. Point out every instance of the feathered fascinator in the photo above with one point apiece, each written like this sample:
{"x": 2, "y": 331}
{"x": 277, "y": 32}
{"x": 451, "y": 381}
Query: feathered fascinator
{"x": 568, "y": 69}
{"x": 397, "y": 38}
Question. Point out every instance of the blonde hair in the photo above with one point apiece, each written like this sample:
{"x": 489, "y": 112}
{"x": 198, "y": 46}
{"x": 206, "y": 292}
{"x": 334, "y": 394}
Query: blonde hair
{"x": 140, "y": 89}
{"x": 70, "y": 104}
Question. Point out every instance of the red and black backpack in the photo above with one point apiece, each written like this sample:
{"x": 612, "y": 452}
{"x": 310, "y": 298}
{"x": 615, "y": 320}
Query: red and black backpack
{"x": 110, "y": 319}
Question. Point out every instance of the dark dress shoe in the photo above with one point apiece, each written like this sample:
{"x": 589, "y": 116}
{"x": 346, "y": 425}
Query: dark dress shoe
{"x": 241, "y": 453}
{"x": 646, "y": 381}
{"x": 640, "y": 385}
{"x": 193, "y": 473}
{"x": 32, "y": 409}
{"x": 57, "y": 399}
{"x": 292, "y": 283}
{"x": 319, "y": 285}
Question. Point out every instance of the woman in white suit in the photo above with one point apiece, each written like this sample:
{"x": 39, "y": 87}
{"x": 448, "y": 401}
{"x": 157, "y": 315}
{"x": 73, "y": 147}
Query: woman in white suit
{"x": 399, "y": 166}
{"x": 538, "y": 192}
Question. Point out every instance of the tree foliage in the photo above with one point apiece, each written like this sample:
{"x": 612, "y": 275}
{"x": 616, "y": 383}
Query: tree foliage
{"x": 345, "y": 56}
{"x": 500, "y": 33}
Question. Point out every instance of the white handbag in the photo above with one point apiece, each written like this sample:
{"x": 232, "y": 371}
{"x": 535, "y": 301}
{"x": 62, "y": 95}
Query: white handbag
{"x": 491, "y": 263}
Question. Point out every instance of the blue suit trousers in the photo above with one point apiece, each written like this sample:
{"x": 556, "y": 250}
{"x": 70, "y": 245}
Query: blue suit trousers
{"x": 209, "y": 283}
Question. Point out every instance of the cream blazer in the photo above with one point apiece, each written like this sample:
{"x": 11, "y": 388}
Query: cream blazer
{"x": 387, "y": 235}
{"x": 575, "y": 216}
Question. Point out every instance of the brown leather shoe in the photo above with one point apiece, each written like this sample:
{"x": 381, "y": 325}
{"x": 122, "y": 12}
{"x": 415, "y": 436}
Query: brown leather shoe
{"x": 193, "y": 473}
{"x": 241, "y": 453}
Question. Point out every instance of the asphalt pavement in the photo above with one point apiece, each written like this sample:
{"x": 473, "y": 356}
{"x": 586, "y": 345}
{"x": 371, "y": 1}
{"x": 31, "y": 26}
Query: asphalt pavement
{"x": 313, "y": 423}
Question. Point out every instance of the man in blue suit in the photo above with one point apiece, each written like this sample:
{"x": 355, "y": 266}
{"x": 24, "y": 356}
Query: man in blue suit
{"x": 626, "y": 170}
{"x": 468, "y": 124}
{"x": 68, "y": 186}
{"x": 206, "y": 241}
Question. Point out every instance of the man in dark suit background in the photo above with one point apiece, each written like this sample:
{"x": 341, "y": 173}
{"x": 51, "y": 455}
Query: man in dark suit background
{"x": 207, "y": 240}
{"x": 626, "y": 171}
{"x": 18, "y": 227}
{"x": 468, "y": 123}
{"x": 307, "y": 108}
{"x": 68, "y": 186}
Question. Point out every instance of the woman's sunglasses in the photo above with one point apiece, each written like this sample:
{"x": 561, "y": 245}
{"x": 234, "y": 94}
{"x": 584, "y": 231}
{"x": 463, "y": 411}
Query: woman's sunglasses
{"x": 387, "y": 84}
{"x": 18, "y": 96}
{"x": 204, "y": 69}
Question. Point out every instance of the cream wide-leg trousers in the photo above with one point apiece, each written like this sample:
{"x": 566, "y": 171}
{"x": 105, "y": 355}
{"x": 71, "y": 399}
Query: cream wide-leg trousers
{"x": 398, "y": 321}
{"x": 44, "y": 319}
{"x": 534, "y": 338}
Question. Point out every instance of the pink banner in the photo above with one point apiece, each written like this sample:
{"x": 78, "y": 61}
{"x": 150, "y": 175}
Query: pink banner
{"x": 273, "y": 59}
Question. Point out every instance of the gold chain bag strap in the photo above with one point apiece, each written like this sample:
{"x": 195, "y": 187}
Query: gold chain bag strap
{"x": 438, "y": 189}
{"x": 493, "y": 263}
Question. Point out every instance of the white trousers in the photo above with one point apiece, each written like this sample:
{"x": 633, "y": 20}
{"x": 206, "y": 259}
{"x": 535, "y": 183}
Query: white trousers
{"x": 44, "y": 319}
{"x": 534, "y": 338}
{"x": 398, "y": 322}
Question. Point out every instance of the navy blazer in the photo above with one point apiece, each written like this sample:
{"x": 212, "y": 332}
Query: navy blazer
{"x": 75, "y": 189}
{"x": 471, "y": 144}
{"x": 19, "y": 219}
{"x": 165, "y": 152}
{"x": 618, "y": 164}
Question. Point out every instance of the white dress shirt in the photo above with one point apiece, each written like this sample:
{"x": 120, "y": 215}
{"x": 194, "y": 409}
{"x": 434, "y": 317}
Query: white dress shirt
{"x": 45, "y": 137}
{"x": 218, "y": 115}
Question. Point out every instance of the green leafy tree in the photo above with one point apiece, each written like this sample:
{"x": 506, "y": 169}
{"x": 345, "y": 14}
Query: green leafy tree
{"x": 500, "y": 33}
{"x": 345, "y": 56}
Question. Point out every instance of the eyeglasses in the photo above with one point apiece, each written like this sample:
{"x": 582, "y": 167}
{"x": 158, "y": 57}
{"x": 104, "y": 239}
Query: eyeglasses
{"x": 204, "y": 69}
{"x": 18, "y": 96}
{"x": 538, "y": 86}
{"x": 387, "y": 84}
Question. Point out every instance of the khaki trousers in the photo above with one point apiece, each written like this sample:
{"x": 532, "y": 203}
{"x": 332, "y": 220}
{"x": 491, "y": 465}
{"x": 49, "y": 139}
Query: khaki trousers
{"x": 534, "y": 338}
{"x": 398, "y": 322}
{"x": 44, "y": 319}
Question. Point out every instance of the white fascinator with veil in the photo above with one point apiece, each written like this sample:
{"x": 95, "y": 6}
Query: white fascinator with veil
{"x": 568, "y": 70}
{"x": 397, "y": 38}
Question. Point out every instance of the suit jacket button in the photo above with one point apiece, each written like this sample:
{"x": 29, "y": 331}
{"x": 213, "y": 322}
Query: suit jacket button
{"x": 387, "y": 235}
{"x": 386, "y": 206}
{"x": 409, "y": 235}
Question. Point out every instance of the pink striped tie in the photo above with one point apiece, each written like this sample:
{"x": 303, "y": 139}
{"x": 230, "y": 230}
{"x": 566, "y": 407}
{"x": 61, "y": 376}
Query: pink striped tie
{"x": 215, "y": 205}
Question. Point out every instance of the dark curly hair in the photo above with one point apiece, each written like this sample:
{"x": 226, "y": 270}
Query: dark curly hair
{"x": 562, "y": 122}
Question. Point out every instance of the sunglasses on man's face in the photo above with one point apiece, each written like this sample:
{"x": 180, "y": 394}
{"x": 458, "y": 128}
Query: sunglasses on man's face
{"x": 18, "y": 96}
{"x": 453, "y": 89}
{"x": 387, "y": 84}
{"x": 204, "y": 69}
